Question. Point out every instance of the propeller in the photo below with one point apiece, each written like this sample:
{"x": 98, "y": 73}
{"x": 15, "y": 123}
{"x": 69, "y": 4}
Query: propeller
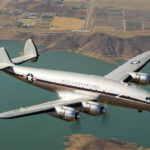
{"x": 76, "y": 126}
{"x": 104, "y": 119}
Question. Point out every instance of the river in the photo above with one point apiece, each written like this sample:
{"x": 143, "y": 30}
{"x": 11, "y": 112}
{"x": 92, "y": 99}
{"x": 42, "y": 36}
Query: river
{"x": 43, "y": 132}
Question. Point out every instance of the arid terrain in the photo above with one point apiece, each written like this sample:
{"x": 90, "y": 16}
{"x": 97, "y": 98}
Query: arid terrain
{"x": 118, "y": 15}
{"x": 88, "y": 142}
{"x": 96, "y": 45}
{"x": 100, "y": 29}
{"x": 42, "y": 15}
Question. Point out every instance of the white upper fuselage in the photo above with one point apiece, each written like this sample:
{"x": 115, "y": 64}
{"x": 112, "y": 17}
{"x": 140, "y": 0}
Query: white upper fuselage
{"x": 106, "y": 90}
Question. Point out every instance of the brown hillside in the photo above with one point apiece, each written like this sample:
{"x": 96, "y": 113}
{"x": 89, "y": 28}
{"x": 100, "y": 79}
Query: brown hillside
{"x": 96, "y": 45}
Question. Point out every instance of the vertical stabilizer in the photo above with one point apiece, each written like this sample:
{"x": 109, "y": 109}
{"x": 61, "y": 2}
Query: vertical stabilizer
{"x": 30, "y": 53}
{"x": 5, "y": 61}
{"x": 30, "y": 49}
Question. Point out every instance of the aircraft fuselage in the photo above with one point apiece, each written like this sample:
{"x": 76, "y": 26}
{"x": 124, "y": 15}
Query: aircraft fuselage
{"x": 105, "y": 90}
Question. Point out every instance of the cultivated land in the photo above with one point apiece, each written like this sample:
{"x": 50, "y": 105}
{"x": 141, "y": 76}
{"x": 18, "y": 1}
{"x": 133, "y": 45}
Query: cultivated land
{"x": 42, "y": 15}
{"x": 103, "y": 29}
{"x": 118, "y": 15}
{"x": 70, "y": 24}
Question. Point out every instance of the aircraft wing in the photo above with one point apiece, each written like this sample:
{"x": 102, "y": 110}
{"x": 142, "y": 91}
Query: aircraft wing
{"x": 43, "y": 108}
{"x": 133, "y": 65}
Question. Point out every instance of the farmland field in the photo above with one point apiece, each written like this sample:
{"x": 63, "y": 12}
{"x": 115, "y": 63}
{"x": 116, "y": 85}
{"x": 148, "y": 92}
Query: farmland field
{"x": 66, "y": 23}
{"x": 120, "y": 16}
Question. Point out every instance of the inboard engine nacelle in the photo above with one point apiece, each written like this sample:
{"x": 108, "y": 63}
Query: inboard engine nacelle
{"x": 140, "y": 78}
{"x": 92, "y": 108}
{"x": 65, "y": 113}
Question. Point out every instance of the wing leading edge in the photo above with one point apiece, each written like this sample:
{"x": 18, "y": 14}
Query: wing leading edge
{"x": 43, "y": 108}
{"x": 133, "y": 65}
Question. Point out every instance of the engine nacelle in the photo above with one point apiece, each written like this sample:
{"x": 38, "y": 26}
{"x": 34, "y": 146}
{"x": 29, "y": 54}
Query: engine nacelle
{"x": 65, "y": 113}
{"x": 140, "y": 78}
{"x": 92, "y": 108}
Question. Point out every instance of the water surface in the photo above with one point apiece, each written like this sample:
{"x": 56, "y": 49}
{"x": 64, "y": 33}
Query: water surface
{"x": 43, "y": 132}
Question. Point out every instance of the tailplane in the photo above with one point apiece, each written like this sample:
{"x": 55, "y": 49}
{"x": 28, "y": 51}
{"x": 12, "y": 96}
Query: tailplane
{"x": 30, "y": 53}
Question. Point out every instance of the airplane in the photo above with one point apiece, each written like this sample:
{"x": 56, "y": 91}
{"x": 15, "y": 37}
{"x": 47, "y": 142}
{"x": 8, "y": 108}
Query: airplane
{"x": 79, "y": 92}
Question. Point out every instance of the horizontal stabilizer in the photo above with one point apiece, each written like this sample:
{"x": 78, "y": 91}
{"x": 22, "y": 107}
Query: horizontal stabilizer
{"x": 30, "y": 53}
{"x": 5, "y": 61}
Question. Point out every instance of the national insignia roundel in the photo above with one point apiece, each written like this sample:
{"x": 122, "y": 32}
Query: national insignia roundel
{"x": 30, "y": 77}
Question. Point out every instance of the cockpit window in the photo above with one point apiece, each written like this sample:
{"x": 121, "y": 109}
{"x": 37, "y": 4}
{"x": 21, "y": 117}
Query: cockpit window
{"x": 147, "y": 98}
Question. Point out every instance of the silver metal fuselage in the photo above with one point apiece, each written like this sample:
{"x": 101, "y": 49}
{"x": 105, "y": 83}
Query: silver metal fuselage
{"x": 104, "y": 90}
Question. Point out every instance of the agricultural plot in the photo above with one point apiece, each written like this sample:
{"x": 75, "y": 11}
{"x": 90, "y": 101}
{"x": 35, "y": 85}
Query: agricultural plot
{"x": 115, "y": 14}
{"x": 137, "y": 15}
{"x": 133, "y": 26}
{"x": 109, "y": 18}
{"x": 66, "y": 23}
{"x": 115, "y": 24}
{"x": 104, "y": 13}
{"x": 101, "y": 13}
{"x": 146, "y": 25}
{"x": 43, "y": 14}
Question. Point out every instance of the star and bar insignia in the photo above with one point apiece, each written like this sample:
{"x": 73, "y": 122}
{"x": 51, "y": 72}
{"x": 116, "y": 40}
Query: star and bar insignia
{"x": 29, "y": 77}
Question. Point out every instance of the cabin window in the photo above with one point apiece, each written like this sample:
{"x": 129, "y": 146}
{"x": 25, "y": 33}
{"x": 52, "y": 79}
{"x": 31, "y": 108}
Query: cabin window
{"x": 147, "y": 98}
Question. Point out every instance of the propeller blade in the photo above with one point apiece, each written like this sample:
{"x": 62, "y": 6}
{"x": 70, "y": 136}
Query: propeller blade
{"x": 76, "y": 126}
{"x": 105, "y": 118}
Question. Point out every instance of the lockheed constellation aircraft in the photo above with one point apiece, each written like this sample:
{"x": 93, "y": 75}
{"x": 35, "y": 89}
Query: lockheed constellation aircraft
{"x": 79, "y": 92}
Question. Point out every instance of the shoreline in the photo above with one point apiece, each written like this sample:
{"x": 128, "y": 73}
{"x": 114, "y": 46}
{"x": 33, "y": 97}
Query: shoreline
{"x": 88, "y": 142}
{"x": 94, "y": 45}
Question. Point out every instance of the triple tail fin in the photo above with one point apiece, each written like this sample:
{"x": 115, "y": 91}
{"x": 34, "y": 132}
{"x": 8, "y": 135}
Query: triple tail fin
{"x": 30, "y": 53}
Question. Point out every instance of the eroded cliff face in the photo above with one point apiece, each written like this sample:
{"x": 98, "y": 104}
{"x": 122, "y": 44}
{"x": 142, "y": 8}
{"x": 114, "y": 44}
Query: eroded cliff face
{"x": 89, "y": 142}
{"x": 96, "y": 45}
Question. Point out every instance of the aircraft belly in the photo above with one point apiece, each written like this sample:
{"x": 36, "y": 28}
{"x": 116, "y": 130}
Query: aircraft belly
{"x": 117, "y": 101}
